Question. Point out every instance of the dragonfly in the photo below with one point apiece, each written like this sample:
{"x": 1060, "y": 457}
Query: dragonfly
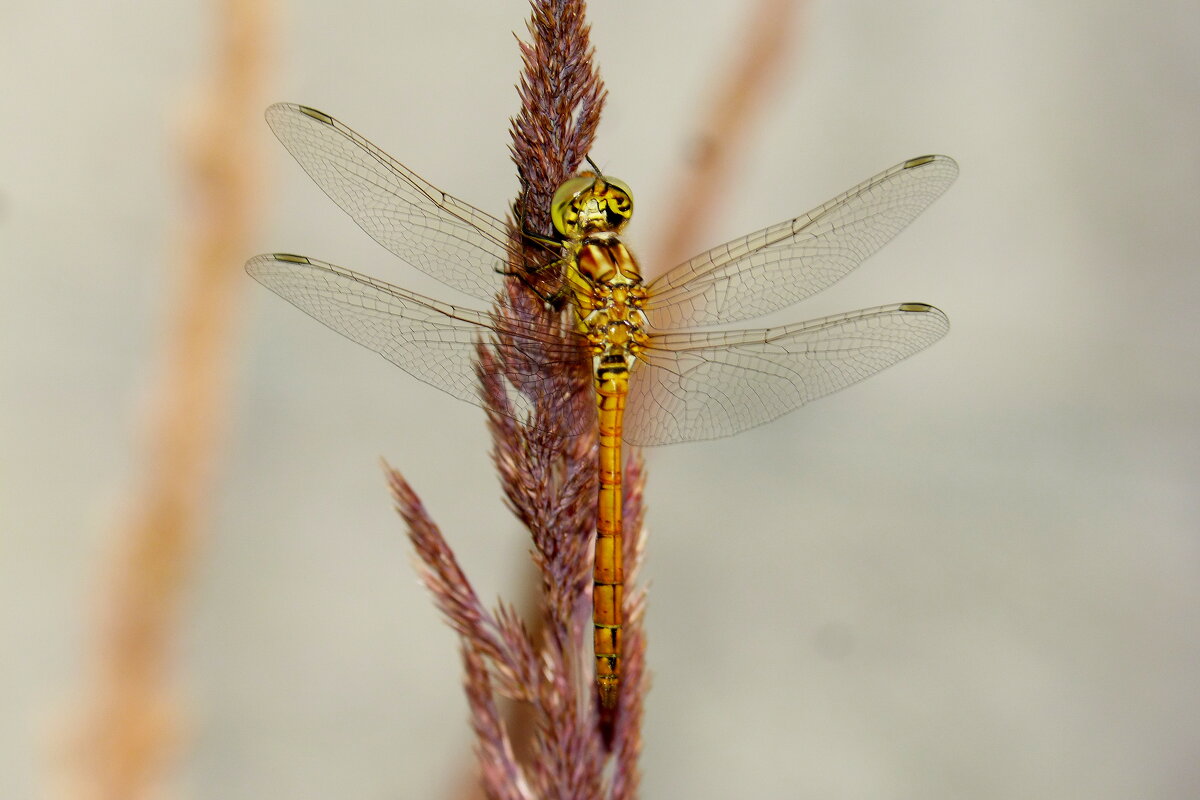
{"x": 656, "y": 379}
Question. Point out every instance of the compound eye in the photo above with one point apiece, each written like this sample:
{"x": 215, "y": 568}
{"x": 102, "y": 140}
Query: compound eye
{"x": 564, "y": 207}
{"x": 619, "y": 201}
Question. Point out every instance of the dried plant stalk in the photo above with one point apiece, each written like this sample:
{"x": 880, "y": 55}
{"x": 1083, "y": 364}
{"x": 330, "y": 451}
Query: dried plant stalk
{"x": 128, "y": 727}
{"x": 549, "y": 478}
{"x": 725, "y": 126}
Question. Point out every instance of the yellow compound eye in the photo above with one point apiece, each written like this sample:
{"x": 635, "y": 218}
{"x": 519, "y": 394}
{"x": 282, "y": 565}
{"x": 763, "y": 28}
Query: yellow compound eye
{"x": 563, "y": 211}
{"x": 589, "y": 204}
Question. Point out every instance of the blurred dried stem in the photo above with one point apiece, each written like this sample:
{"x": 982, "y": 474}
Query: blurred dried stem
{"x": 129, "y": 726}
{"x": 725, "y": 127}
{"x": 549, "y": 480}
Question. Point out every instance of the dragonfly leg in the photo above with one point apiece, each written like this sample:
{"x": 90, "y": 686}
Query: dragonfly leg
{"x": 555, "y": 298}
{"x": 537, "y": 238}
{"x": 551, "y": 243}
{"x": 533, "y": 270}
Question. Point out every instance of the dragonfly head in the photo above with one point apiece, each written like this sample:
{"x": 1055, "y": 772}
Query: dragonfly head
{"x": 589, "y": 204}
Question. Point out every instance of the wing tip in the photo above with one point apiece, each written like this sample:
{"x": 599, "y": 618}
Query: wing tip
{"x": 923, "y": 309}
{"x": 276, "y": 111}
{"x": 252, "y": 266}
{"x": 255, "y": 265}
{"x": 289, "y": 257}
{"x": 925, "y": 315}
{"x": 319, "y": 116}
{"x": 943, "y": 164}
{"x": 920, "y": 161}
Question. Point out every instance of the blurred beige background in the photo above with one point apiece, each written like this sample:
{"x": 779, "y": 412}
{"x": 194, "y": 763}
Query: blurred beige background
{"x": 976, "y": 575}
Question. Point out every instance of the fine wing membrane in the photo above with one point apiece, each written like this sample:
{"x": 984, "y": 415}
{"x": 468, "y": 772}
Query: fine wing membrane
{"x": 433, "y": 341}
{"x": 438, "y": 234}
{"x": 780, "y": 265}
{"x": 711, "y": 384}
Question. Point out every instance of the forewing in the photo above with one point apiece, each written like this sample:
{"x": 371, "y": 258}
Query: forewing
{"x": 710, "y": 384}
{"x": 432, "y": 341}
{"x": 438, "y": 234}
{"x": 781, "y": 265}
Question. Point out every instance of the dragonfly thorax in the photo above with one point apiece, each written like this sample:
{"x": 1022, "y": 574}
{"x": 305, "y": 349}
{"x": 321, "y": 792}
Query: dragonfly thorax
{"x": 607, "y": 265}
{"x": 604, "y": 284}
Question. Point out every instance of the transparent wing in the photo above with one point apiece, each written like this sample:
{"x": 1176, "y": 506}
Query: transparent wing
{"x": 705, "y": 385}
{"x": 780, "y": 265}
{"x": 438, "y": 234}
{"x": 432, "y": 341}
